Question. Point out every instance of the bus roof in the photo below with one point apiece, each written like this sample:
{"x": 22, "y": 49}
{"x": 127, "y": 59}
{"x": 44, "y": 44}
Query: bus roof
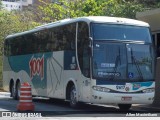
{"x": 94, "y": 19}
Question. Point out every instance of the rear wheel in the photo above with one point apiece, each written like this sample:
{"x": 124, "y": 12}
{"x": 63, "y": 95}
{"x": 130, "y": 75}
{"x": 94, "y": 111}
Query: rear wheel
{"x": 17, "y": 91}
{"x": 124, "y": 107}
{"x": 12, "y": 91}
{"x": 73, "y": 97}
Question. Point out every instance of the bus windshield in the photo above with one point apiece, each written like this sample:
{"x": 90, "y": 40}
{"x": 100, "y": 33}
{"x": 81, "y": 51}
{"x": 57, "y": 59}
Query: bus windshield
{"x": 122, "y": 61}
{"x": 120, "y": 32}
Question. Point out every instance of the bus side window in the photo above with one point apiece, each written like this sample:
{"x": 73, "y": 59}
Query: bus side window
{"x": 15, "y": 46}
{"x": 70, "y": 34}
{"x": 83, "y": 48}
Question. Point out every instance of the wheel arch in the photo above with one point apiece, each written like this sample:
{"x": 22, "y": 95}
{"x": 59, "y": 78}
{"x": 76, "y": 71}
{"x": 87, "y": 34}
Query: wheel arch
{"x": 11, "y": 83}
{"x": 14, "y": 82}
{"x": 70, "y": 83}
{"x": 18, "y": 81}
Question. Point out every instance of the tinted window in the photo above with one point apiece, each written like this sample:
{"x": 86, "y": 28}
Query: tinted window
{"x": 55, "y": 39}
{"x": 14, "y": 46}
{"x": 83, "y": 48}
{"x": 120, "y": 32}
{"x": 62, "y": 38}
{"x": 6, "y": 48}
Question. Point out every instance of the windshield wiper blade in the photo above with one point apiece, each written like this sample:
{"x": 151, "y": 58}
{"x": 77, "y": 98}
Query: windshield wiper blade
{"x": 137, "y": 65}
{"x": 116, "y": 63}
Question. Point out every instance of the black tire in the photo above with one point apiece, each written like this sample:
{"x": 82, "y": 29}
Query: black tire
{"x": 17, "y": 91}
{"x": 13, "y": 95}
{"x": 73, "y": 97}
{"x": 124, "y": 107}
{"x": 11, "y": 91}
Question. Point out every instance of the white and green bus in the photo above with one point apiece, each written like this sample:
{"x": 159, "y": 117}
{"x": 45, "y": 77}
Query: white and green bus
{"x": 93, "y": 59}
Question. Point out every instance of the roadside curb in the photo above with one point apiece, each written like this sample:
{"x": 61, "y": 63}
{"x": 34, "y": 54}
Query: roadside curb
{"x": 5, "y": 93}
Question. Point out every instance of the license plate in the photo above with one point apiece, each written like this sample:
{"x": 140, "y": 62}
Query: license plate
{"x": 126, "y": 98}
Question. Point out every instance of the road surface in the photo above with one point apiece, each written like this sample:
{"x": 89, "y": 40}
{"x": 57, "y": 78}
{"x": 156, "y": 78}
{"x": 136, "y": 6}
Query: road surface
{"x": 58, "y": 108}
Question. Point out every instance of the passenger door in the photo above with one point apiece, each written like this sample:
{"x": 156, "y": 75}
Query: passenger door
{"x": 84, "y": 60}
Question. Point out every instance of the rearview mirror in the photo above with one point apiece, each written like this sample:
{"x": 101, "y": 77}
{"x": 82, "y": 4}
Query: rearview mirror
{"x": 90, "y": 42}
{"x": 91, "y": 46}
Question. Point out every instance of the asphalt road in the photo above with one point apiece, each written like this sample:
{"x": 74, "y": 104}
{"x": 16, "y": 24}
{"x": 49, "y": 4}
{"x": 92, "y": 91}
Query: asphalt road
{"x": 58, "y": 108}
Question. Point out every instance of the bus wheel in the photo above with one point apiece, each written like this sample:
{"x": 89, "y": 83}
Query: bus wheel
{"x": 17, "y": 92}
{"x": 124, "y": 107}
{"x": 73, "y": 97}
{"x": 13, "y": 91}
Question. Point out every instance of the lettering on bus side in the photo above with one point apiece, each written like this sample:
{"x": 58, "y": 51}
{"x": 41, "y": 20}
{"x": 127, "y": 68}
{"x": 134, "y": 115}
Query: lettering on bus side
{"x": 36, "y": 66}
{"x": 120, "y": 87}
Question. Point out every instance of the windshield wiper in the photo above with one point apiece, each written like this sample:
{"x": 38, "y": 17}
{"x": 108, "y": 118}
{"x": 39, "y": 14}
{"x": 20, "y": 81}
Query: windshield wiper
{"x": 137, "y": 65}
{"x": 118, "y": 60}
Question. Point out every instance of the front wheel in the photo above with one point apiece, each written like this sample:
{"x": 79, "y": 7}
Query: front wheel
{"x": 73, "y": 97}
{"x": 18, "y": 91}
{"x": 124, "y": 107}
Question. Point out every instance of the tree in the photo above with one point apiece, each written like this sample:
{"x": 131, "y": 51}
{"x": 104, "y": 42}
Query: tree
{"x": 1, "y": 5}
{"x": 122, "y": 8}
{"x": 70, "y": 9}
{"x": 77, "y": 8}
{"x": 14, "y": 22}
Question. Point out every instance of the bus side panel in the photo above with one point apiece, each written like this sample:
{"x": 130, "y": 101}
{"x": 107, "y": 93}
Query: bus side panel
{"x": 47, "y": 73}
{"x": 10, "y": 74}
{"x": 72, "y": 73}
{"x": 6, "y": 75}
{"x": 55, "y": 75}
{"x": 28, "y": 68}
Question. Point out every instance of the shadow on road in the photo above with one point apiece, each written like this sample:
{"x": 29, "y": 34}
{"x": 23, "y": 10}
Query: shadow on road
{"x": 84, "y": 110}
{"x": 82, "y": 106}
{"x": 56, "y": 107}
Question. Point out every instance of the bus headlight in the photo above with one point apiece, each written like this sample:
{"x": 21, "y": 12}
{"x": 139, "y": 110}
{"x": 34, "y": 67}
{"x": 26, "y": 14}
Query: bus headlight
{"x": 149, "y": 90}
{"x": 102, "y": 89}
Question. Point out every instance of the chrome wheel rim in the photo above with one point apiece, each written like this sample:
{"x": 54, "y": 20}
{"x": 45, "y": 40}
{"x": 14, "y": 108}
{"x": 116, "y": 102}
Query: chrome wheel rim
{"x": 73, "y": 95}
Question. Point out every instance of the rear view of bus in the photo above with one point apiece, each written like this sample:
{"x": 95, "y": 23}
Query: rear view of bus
{"x": 122, "y": 63}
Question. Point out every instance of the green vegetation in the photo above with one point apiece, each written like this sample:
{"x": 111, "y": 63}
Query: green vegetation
{"x": 77, "y": 8}
{"x": 18, "y": 21}
{"x": 0, "y": 71}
